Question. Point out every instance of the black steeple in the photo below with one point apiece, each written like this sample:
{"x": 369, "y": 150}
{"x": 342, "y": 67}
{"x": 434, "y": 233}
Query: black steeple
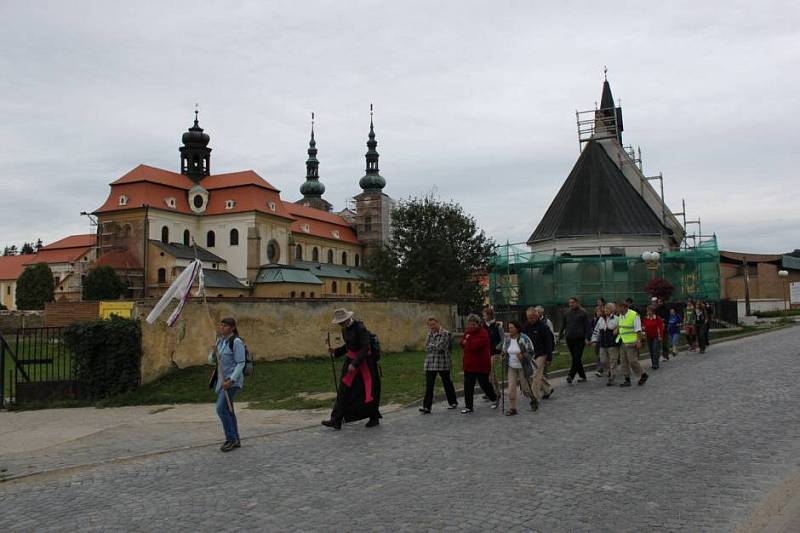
{"x": 372, "y": 180}
{"x": 195, "y": 153}
{"x": 312, "y": 188}
{"x": 608, "y": 119}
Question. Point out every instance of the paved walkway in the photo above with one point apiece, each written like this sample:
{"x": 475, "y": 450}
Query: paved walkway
{"x": 699, "y": 448}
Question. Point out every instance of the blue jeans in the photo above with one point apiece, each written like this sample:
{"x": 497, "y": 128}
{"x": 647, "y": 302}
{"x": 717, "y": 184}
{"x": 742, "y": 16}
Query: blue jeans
{"x": 654, "y": 346}
{"x": 674, "y": 339}
{"x": 227, "y": 416}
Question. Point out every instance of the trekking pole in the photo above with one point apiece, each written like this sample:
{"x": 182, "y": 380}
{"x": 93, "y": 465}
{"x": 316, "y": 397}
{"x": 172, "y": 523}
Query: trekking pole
{"x": 503, "y": 385}
{"x": 333, "y": 366}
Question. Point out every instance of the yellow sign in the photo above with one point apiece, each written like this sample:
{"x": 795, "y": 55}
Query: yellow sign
{"x": 121, "y": 309}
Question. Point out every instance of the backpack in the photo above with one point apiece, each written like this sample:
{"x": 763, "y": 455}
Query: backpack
{"x": 249, "y": 363}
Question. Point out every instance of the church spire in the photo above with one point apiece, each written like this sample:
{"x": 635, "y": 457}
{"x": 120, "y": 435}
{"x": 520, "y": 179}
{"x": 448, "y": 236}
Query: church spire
{"x": 608, "y": 119}
{"x": 372, "y": 180}
{"x": 312, "y": 190}
{"x": 195, "y": 153}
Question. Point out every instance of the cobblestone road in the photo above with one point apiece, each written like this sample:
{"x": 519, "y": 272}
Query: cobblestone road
{"x": 695, "y": 449}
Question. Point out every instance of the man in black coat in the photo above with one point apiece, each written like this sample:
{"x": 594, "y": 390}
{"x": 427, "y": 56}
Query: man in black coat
{"x": 359, "y": 392}
{"x": 576, "y": 328}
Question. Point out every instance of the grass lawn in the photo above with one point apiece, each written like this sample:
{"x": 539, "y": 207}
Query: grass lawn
{"x": 59, "y": 367}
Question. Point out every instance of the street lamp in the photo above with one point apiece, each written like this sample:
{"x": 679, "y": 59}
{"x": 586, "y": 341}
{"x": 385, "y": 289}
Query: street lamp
{"x": 651, "y": 260}
{"x": 785, "y": 275}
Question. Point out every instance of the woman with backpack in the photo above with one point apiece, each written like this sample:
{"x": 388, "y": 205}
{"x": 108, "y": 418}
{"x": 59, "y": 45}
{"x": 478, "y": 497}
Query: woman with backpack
{"x": 228, "y": 379}
{"x": 359, "y": 392}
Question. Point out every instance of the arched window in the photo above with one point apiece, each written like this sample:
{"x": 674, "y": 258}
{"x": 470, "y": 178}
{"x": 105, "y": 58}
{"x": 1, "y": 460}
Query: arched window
{"x": 367, "y": 223}
{"x": 344, "y": 258}
{"x": 292, "y": 294}
{"x": 349, "y": 288}
{"x": 330, "y": 256}
{"x": 165, "y": 234}
{"x": 315, "y": 255}
{"x": 298, "y": 252}
{"x": 358, "y": 260}
{"x": 273, "y": 252}
{"x": 312, "y": 294}
{"x": 302, "y": 294}
{"x": 334, "y": 287}
{"x": 186, "y": 237}
{"x": 210, "y": 239}
{"x": 234, "y": 237}
{"x": 162, "y": 275}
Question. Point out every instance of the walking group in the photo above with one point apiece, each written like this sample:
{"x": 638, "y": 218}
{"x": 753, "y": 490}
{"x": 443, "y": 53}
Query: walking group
{"x": 522, "y": 351}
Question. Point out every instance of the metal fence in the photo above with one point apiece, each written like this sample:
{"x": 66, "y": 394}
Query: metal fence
{"x": 36, "y": 366}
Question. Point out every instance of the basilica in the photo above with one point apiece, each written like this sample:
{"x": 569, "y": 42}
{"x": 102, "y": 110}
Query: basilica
{"x": 251, "y": 241}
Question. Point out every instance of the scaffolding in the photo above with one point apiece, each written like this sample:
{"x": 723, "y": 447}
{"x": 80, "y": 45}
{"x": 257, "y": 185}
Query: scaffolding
{"x": 520, "y": 277}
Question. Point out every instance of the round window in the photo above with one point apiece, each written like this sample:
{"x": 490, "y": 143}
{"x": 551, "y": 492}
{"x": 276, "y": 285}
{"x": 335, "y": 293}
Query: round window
{"x": 198, "y": 201}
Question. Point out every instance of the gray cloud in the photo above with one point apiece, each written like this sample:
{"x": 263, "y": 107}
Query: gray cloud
{"x": 474, "y": 98}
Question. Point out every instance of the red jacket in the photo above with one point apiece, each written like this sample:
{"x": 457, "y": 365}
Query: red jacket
{"x": 477, "y": 351}
{"x": 654, "y": 327}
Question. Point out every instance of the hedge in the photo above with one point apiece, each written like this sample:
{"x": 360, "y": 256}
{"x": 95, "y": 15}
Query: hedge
{"x": 107, "y": 356}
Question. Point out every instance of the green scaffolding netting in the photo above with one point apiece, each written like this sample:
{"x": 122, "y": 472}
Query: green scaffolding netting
{"x": 520, "y": 277}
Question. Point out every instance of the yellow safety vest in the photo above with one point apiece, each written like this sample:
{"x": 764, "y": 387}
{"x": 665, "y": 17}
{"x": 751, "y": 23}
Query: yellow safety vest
{"x": 627, "y": 331}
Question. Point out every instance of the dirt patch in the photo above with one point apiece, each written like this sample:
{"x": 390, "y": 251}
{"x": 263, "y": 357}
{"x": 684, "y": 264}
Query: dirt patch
{"x": 779, "y": 512}
{"x": 316, "y": 396}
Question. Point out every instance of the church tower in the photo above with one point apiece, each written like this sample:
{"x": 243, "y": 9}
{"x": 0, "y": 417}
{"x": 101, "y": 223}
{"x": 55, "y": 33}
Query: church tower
{"x": 373, "y": 206}
{"x": 195, "y": 153}
{"x": 312, "y": 190}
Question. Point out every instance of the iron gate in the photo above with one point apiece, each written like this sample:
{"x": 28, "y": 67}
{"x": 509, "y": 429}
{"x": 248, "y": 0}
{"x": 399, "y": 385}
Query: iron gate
{"x": 36, "y": 366}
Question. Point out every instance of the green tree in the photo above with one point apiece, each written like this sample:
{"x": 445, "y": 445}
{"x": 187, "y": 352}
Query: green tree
{"x": 436, "y": 253}
{"x": 27, "y": 249}
{"x": 103, "y": 283}
{"x": 10, "y": 250}
{"x": 35, "y": 287}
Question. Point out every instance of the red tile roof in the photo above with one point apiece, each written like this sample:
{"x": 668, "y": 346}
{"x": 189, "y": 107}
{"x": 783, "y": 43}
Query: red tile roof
{"x": 140, "y": 194}
{"x": 236, "y": 179}
{"x": 155, "y": 175}
{"x": 12, "y": 266}
{"x": 118, "y": 260}
{"x": 73, "y": 241}
{"x": 60, "y": 255}
{"x": 320, "y": 223}
{"x": 247, "y": 198}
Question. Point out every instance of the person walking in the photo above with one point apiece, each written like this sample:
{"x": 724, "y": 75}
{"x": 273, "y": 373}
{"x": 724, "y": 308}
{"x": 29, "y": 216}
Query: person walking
{"x": 674, "y": 324}
{"x": 232, "y": 358}
{"x": 629, "y": 333}
{"x": 518, "y": 353}
{"x": 604, "y": 337}
{"x": 662, "y": 312}
{"x": 598, "y": 312}
{"x": 690, "y": 325}
{"x": 495, "y": 330}
{"x": 542, "y": 338}
{"x": 654, "y": 331}
{"x": 702, "y": 324}
{"x": 359, "y": 393}
{"x": 438, "y": 361}
{"x": 477, "y": 361}
{"x": 576, "y": 329}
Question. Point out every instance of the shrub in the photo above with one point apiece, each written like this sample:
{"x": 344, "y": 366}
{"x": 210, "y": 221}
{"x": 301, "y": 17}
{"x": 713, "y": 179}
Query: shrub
{"x": 660, "y": 288}
{"x": 107, "y": 355}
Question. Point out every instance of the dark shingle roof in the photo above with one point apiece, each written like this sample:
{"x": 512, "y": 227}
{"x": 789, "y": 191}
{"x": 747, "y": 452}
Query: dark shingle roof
{"x": 181, "y": 251}
{"x": 597, "y": 199}
{"x": 220, "y": 279}
{"x": 286, "y": 274}
{"x": 327, "y": 270}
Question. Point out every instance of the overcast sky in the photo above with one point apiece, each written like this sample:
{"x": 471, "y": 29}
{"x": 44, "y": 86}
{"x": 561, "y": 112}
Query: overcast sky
{"x": 475, "y": 100}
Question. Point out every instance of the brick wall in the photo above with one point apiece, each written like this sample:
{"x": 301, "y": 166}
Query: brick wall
{"x": 59, "y": 314}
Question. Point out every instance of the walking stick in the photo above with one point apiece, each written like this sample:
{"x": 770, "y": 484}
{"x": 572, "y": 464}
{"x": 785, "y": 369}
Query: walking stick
{"x": 333, "y": 366}
{"x": 503, "y": 385}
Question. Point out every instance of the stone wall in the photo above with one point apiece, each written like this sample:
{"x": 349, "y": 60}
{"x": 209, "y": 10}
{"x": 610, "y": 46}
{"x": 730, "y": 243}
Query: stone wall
{"x": 278, "y": 329}
{"x": 11, "y": 321}
{"x": 60, "y": 314}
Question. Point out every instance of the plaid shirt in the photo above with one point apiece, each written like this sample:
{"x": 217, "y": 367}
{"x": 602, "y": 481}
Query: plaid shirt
{"x": 438, "y": 348}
